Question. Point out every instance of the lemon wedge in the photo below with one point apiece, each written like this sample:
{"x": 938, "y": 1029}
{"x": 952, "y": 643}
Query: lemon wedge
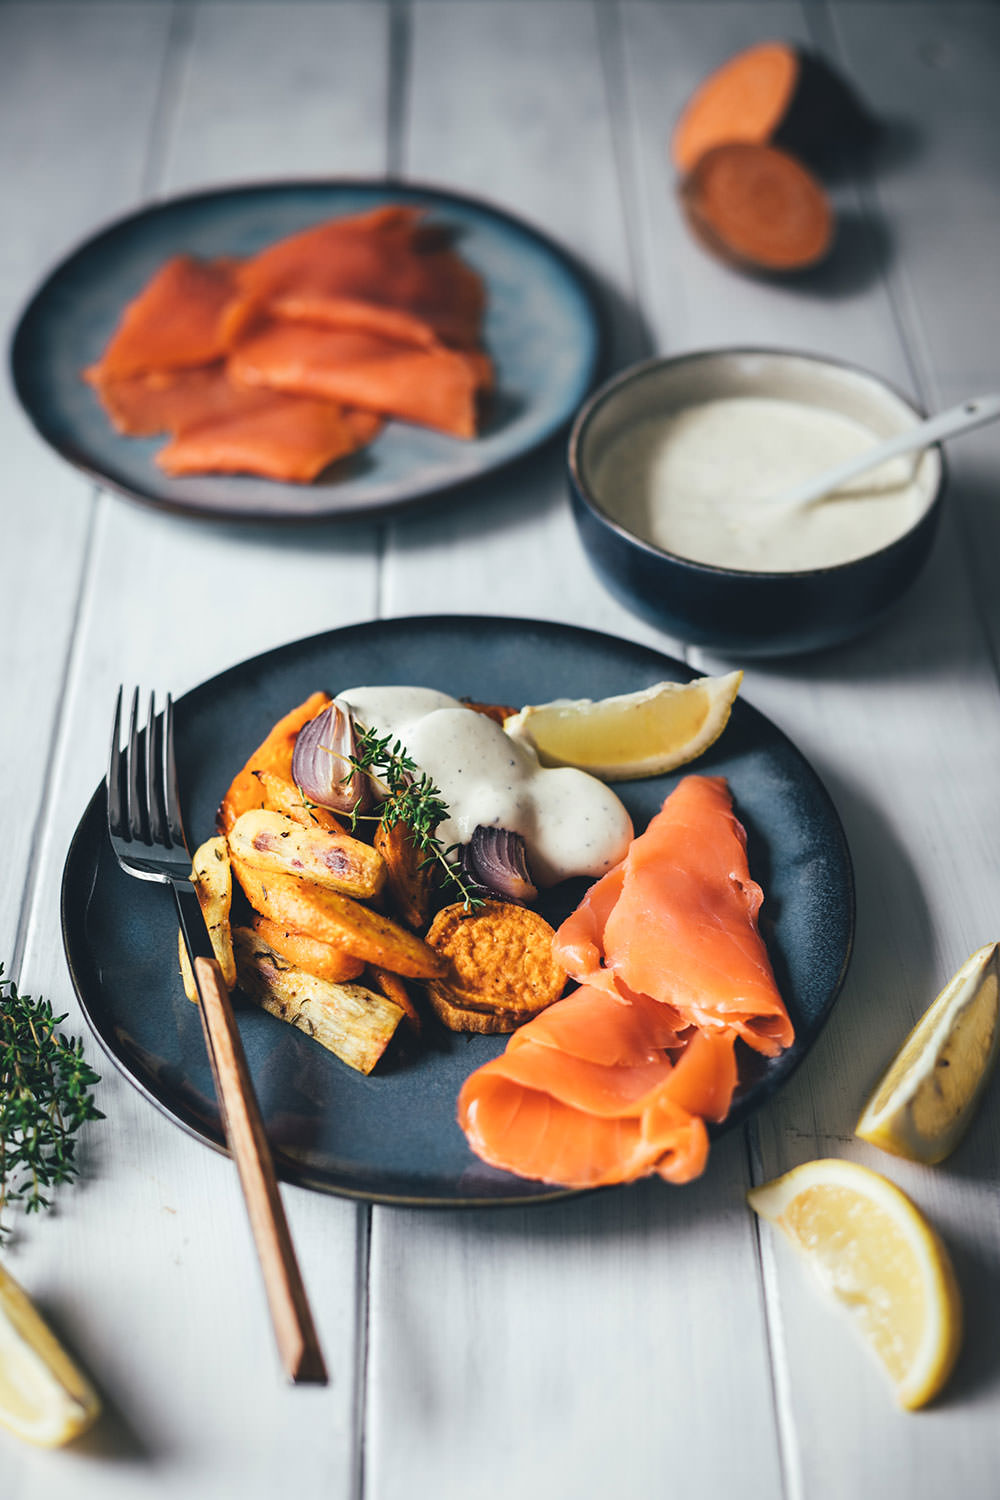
{"x": 874, "y": 1250}
{"x": 925, "y": 1100}
{"x": 632, "y": 735}
{"x": 43, "y": 1396}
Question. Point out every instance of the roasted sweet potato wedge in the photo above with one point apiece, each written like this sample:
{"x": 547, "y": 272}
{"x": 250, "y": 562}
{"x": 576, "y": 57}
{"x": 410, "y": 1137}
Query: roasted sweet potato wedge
{"x": 410, "y": 880}
{"x": 322, "y": 960}
{"x": 350, "y": 1020}
{"x": 273, "y": 843}
{"x": 335, "y": 918}
{"x": 500, "y": 964}
{"x": 212, "y": 876}
{"x": 275, "y": 754}
{"x": 394, "y": 989}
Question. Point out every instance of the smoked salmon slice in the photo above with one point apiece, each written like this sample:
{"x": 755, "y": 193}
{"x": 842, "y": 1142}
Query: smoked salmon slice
{"x": 545, "y": 1113}
{"x": 288, "y": 438}
{"x": 174, "y": 323}
{"x": 170, "y": 400}
{"x": 683, "y": 928}
{"x": 616, "y": 1080}
{"x": 385, "y": 272}
{"x": 435, "y": 387}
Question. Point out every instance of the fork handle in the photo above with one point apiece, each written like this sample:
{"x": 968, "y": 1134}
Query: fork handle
{"x": 298, "y": 1344}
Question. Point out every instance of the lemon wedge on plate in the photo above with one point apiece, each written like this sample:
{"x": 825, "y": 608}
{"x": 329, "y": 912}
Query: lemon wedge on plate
{"x": 875, "y": 1252}
{"x": 632, "y": 735}
{"x": 924, "y": 1102}
{"x": 43, "y": 1396}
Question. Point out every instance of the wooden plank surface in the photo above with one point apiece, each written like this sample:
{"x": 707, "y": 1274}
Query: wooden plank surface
{"x": 593, "y": 1344}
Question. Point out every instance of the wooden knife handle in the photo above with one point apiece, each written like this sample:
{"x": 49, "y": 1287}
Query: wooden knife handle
{"x": 298, "y": 1345}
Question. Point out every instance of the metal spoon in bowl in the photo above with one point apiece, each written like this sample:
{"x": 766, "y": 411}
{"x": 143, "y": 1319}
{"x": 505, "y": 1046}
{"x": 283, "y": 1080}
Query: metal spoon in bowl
{"x": 975, "y": 412}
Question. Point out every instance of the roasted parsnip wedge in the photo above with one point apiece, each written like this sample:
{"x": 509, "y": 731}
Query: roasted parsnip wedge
{"x": 336, "y": 919}
{"x": 212, "y": 876}
{"x": 276, "y": 844}
{"x": 275, "y": 754}
{"x": 350, "y": 1020}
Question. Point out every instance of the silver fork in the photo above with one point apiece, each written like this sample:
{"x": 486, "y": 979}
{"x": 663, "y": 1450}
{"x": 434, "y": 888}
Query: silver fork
{"x": 147, "y": 835}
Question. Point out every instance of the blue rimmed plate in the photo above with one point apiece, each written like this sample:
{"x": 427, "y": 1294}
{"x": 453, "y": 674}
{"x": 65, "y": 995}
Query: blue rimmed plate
{"x": 392, "y": 1137}
{"x": 542, "y": 331}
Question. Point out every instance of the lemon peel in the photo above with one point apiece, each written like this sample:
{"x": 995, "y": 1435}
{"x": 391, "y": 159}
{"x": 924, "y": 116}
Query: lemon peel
{"x": 924, "y": 1102}
{"x": 631, "y": 735}
{"x": 874, "y": 1251}
{"x": 44, "y": 1398}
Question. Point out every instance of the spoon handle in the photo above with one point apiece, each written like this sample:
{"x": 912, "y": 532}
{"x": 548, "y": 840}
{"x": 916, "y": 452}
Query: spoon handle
{"x": 975, "y": 412}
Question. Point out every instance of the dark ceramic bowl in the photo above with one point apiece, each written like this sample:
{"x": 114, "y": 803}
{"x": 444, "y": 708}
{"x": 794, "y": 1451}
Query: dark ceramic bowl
{"x": 728, "y": 610}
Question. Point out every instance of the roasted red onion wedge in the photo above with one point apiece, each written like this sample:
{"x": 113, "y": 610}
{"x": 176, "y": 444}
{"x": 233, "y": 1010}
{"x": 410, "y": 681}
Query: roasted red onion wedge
{"x": 496, "y": 859}
{"x": 321, "y": 761}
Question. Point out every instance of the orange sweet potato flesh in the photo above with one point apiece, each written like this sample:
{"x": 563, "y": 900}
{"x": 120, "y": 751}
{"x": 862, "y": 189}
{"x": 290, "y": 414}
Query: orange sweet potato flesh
{"x": 174, "y": 323}
{"x": 297, "y": 906}
{"x": 322, "y": 960}
{"x": 743, "y": 100}
{"x": 758, "y": 208}
{"x": 274, "y": 755}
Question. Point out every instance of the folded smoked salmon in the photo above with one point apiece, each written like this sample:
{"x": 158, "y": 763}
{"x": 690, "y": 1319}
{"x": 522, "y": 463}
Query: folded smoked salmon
{"x": 284, "y": 362}
{"x": 616, "y": 1080}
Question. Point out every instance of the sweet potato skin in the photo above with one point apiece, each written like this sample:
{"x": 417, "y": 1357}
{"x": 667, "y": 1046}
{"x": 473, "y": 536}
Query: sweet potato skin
{"x": 273, "y": 754}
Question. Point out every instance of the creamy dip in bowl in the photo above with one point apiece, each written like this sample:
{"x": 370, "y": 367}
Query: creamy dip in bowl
{"x": 675, "y": 465}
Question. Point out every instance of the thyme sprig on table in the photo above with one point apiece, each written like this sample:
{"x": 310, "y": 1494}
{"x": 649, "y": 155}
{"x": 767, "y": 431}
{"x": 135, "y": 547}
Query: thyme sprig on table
{"x": 409, "y": 796}
{"x": 44, "y": 1099}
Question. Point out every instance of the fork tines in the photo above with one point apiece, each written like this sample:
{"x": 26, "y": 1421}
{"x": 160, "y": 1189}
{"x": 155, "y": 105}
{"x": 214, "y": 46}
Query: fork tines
{"x": 143, "y": 797}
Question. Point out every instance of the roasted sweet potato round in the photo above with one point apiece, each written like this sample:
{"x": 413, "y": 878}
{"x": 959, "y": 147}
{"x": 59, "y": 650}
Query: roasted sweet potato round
{"x": 500, "y": 963}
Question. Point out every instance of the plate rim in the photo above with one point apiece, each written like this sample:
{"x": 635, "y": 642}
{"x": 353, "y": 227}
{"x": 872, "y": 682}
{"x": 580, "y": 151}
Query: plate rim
{"x": 578, "y": 272}
{"x": 288, "y": 1169}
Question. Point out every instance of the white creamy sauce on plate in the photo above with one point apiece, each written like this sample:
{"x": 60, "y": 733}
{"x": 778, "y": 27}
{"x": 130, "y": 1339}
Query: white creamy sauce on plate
{"x": 696, "y": 482}
{"x": 571, "y": 823}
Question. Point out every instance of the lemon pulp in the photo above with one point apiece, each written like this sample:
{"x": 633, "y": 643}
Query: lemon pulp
{"x": 633, "y": 734}
{"x": 874, "y": 1251}
{"x": 44, "y": 1398}
{"x": 927, "y": 1097}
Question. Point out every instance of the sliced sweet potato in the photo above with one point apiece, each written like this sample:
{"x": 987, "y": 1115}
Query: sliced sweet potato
{"x": 275, "y": 754}
{"x": 350, "y": 1020}
{"x": 273, "y": 843}
{"x": 500, "y": 964}
{"x": 777, "y": 94}
{"x": 308, "y": 953}
{"x": 758, "y": 208}
{"x": 410, "y": 879}
{"x": 337, "y": 919}
{"x": 393, "y": 987}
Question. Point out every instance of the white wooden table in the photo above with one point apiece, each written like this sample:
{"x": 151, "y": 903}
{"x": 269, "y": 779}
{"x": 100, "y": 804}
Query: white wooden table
{"x": 641, "y": 1342}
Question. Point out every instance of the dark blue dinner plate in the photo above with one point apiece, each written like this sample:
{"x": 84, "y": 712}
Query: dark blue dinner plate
{"x": 542, "y": 331}
{"x": 392, "y": 1137}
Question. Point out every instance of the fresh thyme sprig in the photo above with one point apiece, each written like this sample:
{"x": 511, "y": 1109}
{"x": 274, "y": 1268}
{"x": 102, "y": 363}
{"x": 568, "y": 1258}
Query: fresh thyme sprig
{"x": 410, "y": 797}
{"x": 44, "y": 1099}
